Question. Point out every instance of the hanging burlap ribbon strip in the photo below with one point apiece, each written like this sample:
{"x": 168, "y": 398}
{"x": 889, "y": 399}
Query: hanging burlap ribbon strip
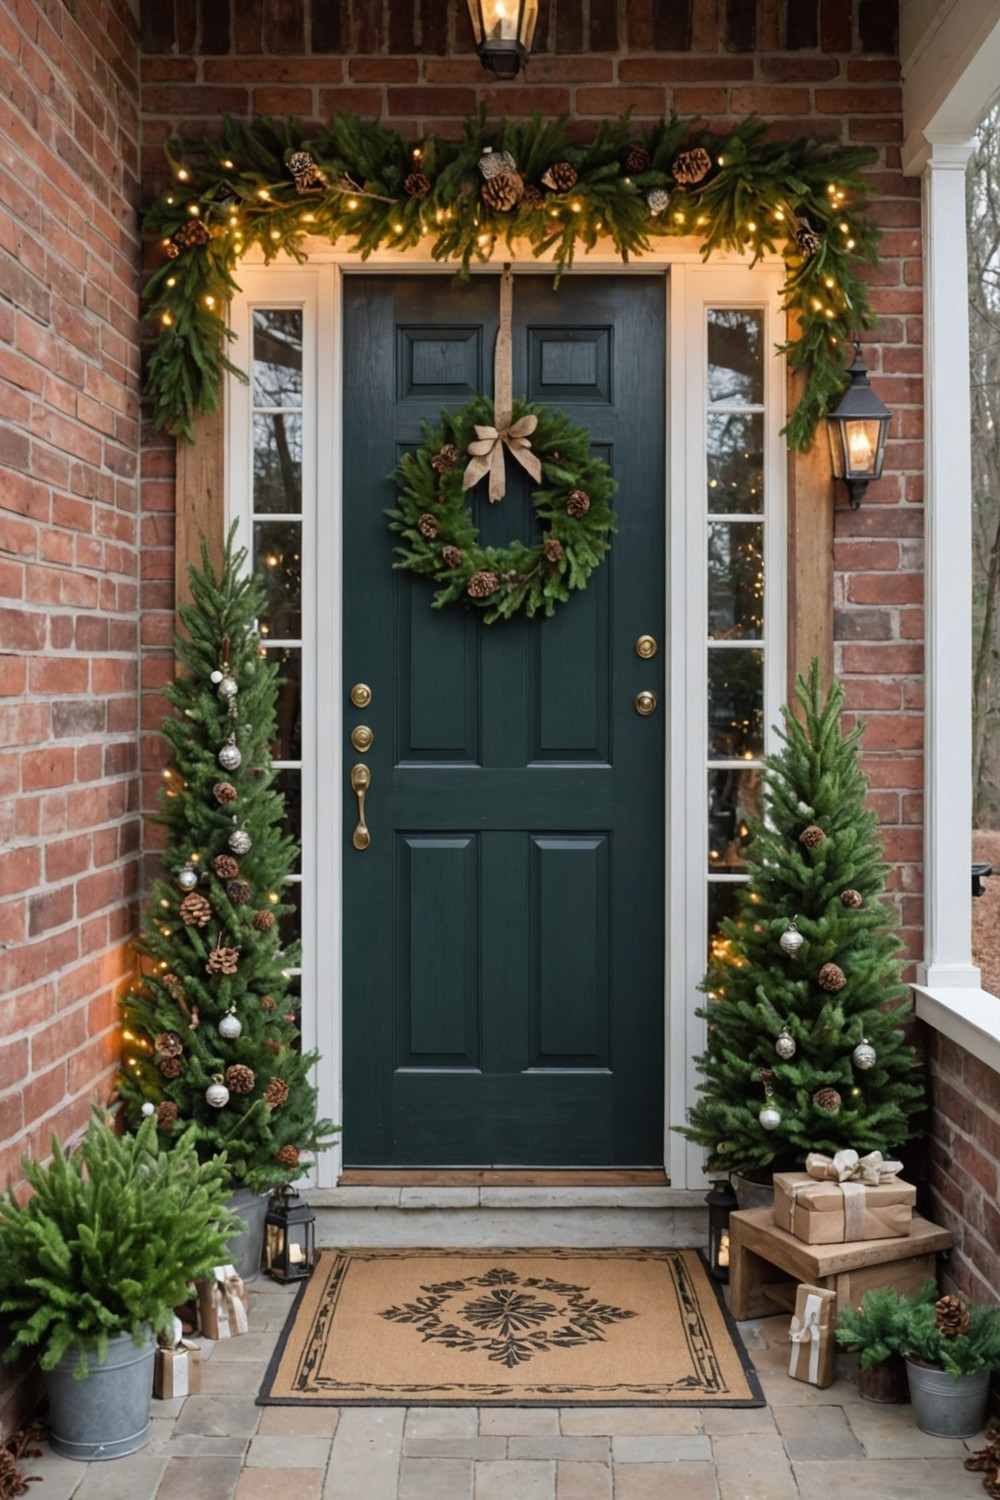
{"x": 488, "y": 445}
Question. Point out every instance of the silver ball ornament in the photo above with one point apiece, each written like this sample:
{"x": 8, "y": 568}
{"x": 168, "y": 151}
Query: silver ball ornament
{"x": 148, "y": 1109}
{"x": 864, "y": 1055}
{"x": 187, "y": 878}
{"x": 785, "y": 1044}
{"x": 657, "y": 201}
{"x": 228, "y": 687}
{"x": 230, "y": 1027}
{"x": 769, "y": 1117}
{"x": 240, "y": 841}
{"x": 215, "y": 677}
{"x": 791, "y": 939}
{"x": 217, "y": 1095}
{"x": 230, "y": 756}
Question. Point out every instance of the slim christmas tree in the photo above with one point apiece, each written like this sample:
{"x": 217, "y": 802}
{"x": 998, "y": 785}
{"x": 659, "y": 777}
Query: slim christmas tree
{"x": 806, "y": 1050}
{"x": 210, "y": 1031}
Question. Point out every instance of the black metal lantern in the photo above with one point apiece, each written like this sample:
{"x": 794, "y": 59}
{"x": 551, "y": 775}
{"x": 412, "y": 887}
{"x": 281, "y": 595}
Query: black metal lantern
{"x": 503, "y": 30}
{"x": 857, "y": 426}
{"x": 289, "y": 1247}
{"x": 721, "y": 1202}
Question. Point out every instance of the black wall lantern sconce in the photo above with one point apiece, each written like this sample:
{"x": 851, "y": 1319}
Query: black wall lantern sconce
{"x": 721, "y": 1202}
{"x": 857, "y": 426}
{"x": 504, "y": 30}
{"x": 289, "y": 1245}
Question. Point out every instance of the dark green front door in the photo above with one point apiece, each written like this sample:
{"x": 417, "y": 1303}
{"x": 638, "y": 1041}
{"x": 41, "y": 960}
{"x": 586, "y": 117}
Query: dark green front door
{"x": 503, "y": 931}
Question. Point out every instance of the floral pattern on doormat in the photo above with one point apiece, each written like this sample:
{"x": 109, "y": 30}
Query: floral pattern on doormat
{"x": 511, "y": 1315}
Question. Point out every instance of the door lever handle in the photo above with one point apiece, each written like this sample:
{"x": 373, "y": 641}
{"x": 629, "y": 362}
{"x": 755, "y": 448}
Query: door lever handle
{"x": 361, "y": 778}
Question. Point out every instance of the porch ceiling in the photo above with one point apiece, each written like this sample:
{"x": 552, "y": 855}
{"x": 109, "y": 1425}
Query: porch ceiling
{"x": 950, "y": 58}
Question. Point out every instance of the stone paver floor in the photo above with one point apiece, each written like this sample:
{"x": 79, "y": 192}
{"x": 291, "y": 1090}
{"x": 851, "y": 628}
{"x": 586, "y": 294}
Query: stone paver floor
{"x": 804, "y": 1445}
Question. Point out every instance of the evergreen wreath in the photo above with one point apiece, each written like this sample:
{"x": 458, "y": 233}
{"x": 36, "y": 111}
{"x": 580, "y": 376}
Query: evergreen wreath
{"x": 441, "y": 542}
{"x": 267, "y": 186}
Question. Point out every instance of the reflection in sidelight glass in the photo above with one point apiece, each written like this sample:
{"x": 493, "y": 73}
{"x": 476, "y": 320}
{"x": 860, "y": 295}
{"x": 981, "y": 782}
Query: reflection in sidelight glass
{"x": 289, "y": 784}
{"x": 277, "y": 462}
{"x": 722, "y": 897}
{"x": 277, "y": 357}
{"x": 733, "y": 802}
{"x": 287, "y": 742}
{"x": 735, "y": 704}
{"x": 278, "y": 557}
{"x": 735, "y": 463}
{"x": 735, "y": 356}
{"x": 735, "y": 580}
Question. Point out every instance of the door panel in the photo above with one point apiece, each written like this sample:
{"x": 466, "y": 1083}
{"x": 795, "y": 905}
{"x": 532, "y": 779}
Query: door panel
{"x": 504, "y": 930}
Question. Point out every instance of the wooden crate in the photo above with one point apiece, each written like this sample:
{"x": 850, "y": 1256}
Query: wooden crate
{"x": 758, "y": 1248}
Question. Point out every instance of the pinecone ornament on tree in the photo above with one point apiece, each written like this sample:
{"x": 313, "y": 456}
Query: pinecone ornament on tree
{"x": 417, "y": 185}
{"x": 447, "y": 457}
{"x": 224, "y": 792}
{"x": 266, "y": 1002}
{"x": 240, "y": 1079}
{"x": 482, "y": 584}
{"x": 222, "y": 961}
{"x": 276, "y": 1093}
{"x": 636, "y": 159}
{"x": 288, "y": 1156}
{"x": 166, "y": 1114}
{"x": 225, "y": 866}
{"x": 561, "y": 177}
{"x": 831, "y": 977}
{"x": 171, "y": 1067}
{"x": 951, "y": 1316}
{"x": 852, "y": 899}
{"x": 263, "y": 921}
{"x": 238, "y": 891}
{"x": 691, "y": 166}
{"x": 812, "y": 836}
{"x": 827, "y": 1099}
{"x": 169, "y": 1044}
{"x": 502, "y": 191}
{"x": 577, "y": 503}
{"x": 196, "y": 910}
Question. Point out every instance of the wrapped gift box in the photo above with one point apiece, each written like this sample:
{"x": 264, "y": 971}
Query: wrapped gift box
{"x": 223, "y": 1305}
{"x": 177, "y": 1372}
{"x": 819, "y": 1213}
{"x": 812, "y": 1337}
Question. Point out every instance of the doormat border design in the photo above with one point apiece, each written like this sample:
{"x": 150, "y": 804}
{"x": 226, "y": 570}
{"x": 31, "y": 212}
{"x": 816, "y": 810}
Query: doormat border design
{"x": 690, "y": 1288}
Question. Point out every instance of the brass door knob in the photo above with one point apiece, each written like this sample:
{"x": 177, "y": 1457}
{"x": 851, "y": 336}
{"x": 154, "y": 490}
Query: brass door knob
{"x": 646, "y": 646}
{"x": 361, "y": 738}
{"x": 645, "y": 703}
{"x": 361, "y": 695}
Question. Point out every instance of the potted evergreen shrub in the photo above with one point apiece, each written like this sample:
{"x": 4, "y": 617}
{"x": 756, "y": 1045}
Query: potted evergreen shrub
{"x": 952, "y": 1348}
{"x": 876, "y": 1332}
{"x": 92, "y": 1265}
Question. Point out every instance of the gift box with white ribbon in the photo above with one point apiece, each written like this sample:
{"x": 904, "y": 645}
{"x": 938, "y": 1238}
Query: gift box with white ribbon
{"x": 813, "y": 1347}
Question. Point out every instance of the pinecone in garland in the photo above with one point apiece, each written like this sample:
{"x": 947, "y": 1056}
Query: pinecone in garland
{"x": 951, "y": 1316}
{"x": 240, "y": 1079}
{"x": 288, "y": 1156}
{"x": 447, "y": 457}
{"x": 852, "y": 898}
{"x": 169, "y": 1044}
{"x": 171, "y": 981}
{"x": 812, "y": 836}
{"x": 238, "y": 891}
{"x": 308, "y": 176}
{"x": 827, "y": 1099}
{"x": 190, "y": 234}
{"x": 276, "y": 1093}
{"x": 636, "y": 159}
{"x": 561, "y": 177}
{"x": 196, "y": 910}
{"x": 807, "y": 240}
{"x": 222, "y": 961}
{"x": 166, "y": 1114}
{"x": 691, "y": 166}
{"x": 171, "y": 1067}
{"x": 451, "y": 556}
{"x": 266, "y": 1002}
{"x": 553, "y": 549}
{"x": 224, "y": 792}
{"x": 263, "y": 921}
{"x": 502, "y": 191}
{"x": 225, "y": 866}
{"x": 482, "y": 584}
{"x": 532, "y": 197}
{"x": 417, "y": 185}
{"x": 577, "y": 503}
{"x": 831, "y": 977}
{"x": 427, "y": 526}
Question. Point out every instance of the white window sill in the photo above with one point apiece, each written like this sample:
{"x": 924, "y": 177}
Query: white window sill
{"x": 969, "y": 1017}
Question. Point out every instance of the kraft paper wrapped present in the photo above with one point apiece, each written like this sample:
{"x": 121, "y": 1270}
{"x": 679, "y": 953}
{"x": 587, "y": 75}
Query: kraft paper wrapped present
{"x": 813, "y": 1346}
{"x": 223, "y": 1304}
{"x": 177, "y": 1372}
{"x": 844, "y": 1198}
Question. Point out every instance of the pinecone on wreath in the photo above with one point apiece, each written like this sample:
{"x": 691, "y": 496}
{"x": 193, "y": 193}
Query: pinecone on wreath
{"x": 532, "y": 197}
{"x": 451, "y": 556}
{"x": 447, "y": 457}
{"x": 553, "y": 549}
{"x": 195, "y": 910}
{"x": 577, "y": 503}
{"x": 807, "y": 240}
{"x": 503, "y": 191}
{"x": 240, "y": 1079}
{"x": 691, "y": 166}
{"x": 482, "y": 584}
{"x": 417, "y": 185}
{"x": 951, "y": 1317}
{"x": 427, "y": 525}
{"x": 190, "y": 234}
{"x": 636, "y": 159}
{"x": 561, "y": 177}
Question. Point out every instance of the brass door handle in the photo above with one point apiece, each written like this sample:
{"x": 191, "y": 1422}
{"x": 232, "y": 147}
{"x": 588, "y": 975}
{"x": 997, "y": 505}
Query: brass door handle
{"x": 645, "y": 703}
{"x": 361, "y": 779}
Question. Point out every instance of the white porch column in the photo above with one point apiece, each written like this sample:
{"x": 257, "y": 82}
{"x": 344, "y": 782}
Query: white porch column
{"x": 948, "y": 535}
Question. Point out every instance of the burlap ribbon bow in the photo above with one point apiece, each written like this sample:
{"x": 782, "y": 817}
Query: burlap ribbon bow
{"x": 848, "y": 1166}
{"x": 487, "y": 454}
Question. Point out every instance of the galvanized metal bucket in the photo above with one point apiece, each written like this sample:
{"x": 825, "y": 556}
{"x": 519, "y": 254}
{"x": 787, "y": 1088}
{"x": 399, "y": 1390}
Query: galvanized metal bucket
{"x": 107, "y": 1414}
{"x": 946, "y": 1406}
{"x": 245, "y": 1249}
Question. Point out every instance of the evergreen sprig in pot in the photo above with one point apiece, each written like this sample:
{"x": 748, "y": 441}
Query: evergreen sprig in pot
{"x": 877, "y": 1332}
{"x": 92, "y": 1265}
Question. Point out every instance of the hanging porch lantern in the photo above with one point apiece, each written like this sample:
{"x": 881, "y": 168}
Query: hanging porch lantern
{"x": 504, "y": 30}
{"x": 289, "y": 1246}
{"x": 857, "y": 427}
{"x": 721, "y": 1202}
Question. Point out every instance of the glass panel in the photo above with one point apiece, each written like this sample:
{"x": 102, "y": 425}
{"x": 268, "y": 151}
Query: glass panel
{"x": 290, "y": 925}
{"x": 735, "y": 356}
{"x": 278, "y": 558}
{"x": 736, "y": 580}
{"x": 277, "y": 462}
{"x": 287, "y": 743}
{"x": 733, "y": 800}
{"x": 277, "y": 356}
{"x": 735, "y": 704}
{"x": 721, "y": 904}
{"x": 289, "y": 783}
{"x": 736, "y": 463}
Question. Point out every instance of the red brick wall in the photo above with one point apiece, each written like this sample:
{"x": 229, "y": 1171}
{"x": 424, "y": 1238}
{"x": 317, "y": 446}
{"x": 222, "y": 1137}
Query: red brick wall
{"x": 69, "y": 827}
{"x": 963, "y": 1155}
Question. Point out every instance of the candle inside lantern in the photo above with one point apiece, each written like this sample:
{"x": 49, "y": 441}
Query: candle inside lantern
{"x": 724, "y": 1250}
{"x": 502, "y": 27}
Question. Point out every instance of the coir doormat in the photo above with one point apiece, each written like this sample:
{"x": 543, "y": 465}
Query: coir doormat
{"x": 629, "y": 1327}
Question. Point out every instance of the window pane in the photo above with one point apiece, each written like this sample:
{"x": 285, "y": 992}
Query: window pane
{"x": 733, "y": 800}
{"x": 287, "y": 743}
{"x": 735, "y": 463}
{"x": 289, "y": 783}
{"x": 735, "y": 356}
{"x": 278, "y": 558}
{"x": 736, "y": 580}
{"x": 290, "y": 925}
{"x": 277, "y": 462}
{"x": 277, "y": 357}
{"x": 735, "y": 704}
{"x": 721, "y": 904}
